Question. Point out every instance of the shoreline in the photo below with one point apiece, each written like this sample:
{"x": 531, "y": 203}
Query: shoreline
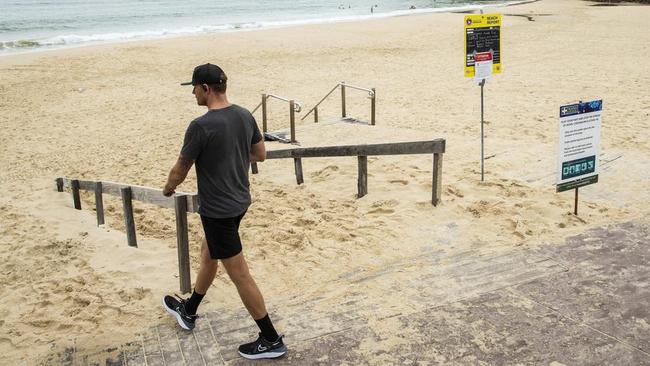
{"x": 258, "y": 26}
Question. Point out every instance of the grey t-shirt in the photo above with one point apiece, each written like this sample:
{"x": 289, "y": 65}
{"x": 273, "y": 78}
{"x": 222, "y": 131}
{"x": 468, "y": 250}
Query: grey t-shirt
{"x": 220, "y": 142}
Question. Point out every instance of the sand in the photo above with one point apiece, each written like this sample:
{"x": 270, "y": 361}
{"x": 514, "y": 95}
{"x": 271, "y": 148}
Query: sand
{"x": 116, "y": 113}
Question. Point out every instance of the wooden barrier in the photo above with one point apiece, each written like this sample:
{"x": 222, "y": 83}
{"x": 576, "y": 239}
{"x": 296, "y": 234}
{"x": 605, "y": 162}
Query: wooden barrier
{"x": 297, "y": 162}
{"x": 129, "y": 220}
{"x": 183, "y": 242}
{"x": 75, "y": 194}
{"x": 435, "y": 147}
{"x": 437, "y": 179}
{"x": 99, "y": 203}
{"x": 362, "y": 182}
{"x": 143, "y": 194}
{"x": 182, "y": 203}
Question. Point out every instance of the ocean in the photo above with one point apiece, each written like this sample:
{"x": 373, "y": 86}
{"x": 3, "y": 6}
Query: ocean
{"x": 31, "y": 25}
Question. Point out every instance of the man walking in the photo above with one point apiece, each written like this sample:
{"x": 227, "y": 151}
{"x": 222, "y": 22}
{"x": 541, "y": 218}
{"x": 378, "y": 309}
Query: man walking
{"x": 222, "y": 143}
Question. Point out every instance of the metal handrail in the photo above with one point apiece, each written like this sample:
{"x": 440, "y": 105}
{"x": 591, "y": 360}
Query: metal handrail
{"x": 296, "y": 105}
{"x": 256, "y": 108}
{"x": 321, "y": 101}
{"x": 371, "y": 93}
{"x": 344, "y": 85}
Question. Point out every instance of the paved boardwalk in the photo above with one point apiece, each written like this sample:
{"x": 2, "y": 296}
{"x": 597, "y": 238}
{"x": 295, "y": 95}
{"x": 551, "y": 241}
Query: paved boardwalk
{"x": 585, "y": 302}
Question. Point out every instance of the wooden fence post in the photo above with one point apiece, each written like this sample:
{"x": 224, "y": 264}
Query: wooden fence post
{"x": 99, "y": 203}
{"x": 182, "y": 240}
{"x": 75, "y": 194}
{"x": 437, "y": 179}
{"x": 343, "y": 99}
{"x": 254, "y": 168}
{"x": 297, "y": 162}
{"x": 292, "y": 120}
{"x": 362, "y": 183}
{"x": 372, "y": 108}
{"x": 263, "y": 113}
{"x": 59, "y": 184}
{"x": 129, "y": 222}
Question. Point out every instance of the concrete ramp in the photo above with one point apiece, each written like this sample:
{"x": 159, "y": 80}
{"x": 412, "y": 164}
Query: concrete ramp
{"x": 284, "y": 135}
{"x": 584, "y": 302}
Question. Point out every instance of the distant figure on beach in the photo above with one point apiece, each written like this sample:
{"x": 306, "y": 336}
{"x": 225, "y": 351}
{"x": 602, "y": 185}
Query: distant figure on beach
{"x": 222, "y": 143}
{"x": 412, "y": 7}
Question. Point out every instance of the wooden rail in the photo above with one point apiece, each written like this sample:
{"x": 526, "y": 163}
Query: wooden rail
{"x": 435, "y": 147}
{"x": 181, "y": 202}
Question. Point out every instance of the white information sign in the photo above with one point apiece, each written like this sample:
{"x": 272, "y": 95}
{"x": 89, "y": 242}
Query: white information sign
{"x": 482, "y": 66}
{"x": 579, "y": 145}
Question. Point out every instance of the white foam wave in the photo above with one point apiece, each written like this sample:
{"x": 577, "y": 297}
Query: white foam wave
{"x": 71, "y": 39}
{"x": 74, "y": 39}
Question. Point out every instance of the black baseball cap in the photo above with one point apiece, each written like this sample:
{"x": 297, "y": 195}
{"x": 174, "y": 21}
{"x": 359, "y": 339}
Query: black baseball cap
{"x": 207, "y": 74}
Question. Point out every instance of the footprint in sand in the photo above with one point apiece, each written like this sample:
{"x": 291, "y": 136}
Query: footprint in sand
{"x": 324, "y": 173}
{"x": 301, "y": 222}
{"x": 381, "y": 210}
{"x": 383, "y": 207}
{"x": 399, "y": 181}
{"x": 455, "y": 191}
{"x": 423, "y": 205}
{"x": 40, "y": 323}
{"x": 481, "y": 208}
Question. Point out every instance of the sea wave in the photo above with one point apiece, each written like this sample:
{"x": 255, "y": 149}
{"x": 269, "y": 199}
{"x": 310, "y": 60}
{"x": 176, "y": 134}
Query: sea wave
{"x": 25, "y": 43}
{"x": 76, "y": 39}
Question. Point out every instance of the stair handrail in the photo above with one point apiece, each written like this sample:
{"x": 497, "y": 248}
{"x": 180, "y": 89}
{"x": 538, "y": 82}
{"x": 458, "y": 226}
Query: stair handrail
{"x": 371, "y": 92}
{"x": 343, "y": 85}
{"x": 294, "y": 107}
{"x": 321, "y": 101}
{"x": 297, "y": 105}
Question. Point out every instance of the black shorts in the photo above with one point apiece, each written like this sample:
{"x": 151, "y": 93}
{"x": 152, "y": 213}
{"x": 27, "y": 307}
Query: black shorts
{"x": 222, "y": 236}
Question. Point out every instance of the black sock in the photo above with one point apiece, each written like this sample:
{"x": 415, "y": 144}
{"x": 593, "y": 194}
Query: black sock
{"x": 267, "y": 329}
{"x": 193, "y": 303}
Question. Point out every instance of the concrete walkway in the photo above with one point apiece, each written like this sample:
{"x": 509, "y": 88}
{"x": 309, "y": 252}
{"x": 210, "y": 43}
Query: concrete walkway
{"x": 585, "y": 302}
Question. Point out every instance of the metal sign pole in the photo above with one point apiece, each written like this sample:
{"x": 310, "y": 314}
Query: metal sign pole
{"x": 575, "y": 210}
{"x": 482, "y": 144}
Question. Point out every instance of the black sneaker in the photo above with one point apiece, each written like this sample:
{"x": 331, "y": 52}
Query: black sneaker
{"x": 262, "y": 348}
{"x": 176, "y": 307}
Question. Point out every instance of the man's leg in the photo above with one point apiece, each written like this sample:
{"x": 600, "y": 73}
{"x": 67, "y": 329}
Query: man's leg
{"x": 185, "y": 310}
{"x": 270, "y": 344}
{"x": 205, "y": 277}
{"x": 249, "y": 293}
{"x": 207, "y": 270}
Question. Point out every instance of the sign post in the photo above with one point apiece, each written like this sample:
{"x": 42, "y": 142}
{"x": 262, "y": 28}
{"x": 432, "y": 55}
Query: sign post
{"x": 483, "y": 70}
{"x": 482, "y": 56}
{"x": 579, "y": 146}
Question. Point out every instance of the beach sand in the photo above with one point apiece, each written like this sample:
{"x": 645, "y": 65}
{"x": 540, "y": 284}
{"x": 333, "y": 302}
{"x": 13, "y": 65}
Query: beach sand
{"x": 116, "y": 113}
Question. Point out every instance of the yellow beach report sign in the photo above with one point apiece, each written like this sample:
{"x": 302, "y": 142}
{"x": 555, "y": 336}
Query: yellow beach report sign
{"x": 482, "y": 36}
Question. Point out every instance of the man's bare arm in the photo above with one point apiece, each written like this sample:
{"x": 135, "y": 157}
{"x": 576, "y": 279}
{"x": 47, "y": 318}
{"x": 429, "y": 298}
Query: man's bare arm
{"x": 258, "y": 152}
{"x": 177, "y": 175}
